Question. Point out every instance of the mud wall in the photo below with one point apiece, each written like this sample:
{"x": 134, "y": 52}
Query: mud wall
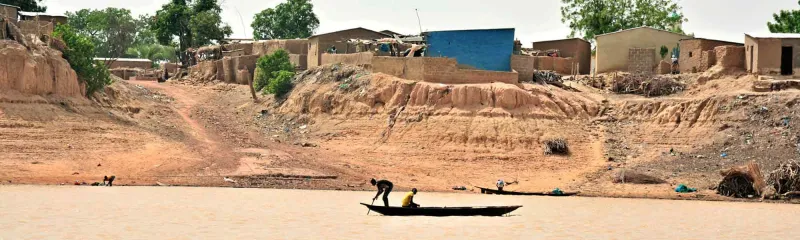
{"x": 300, "y": 61}
{"x": 707, "y": 60}
{"x": 692, "y": 60}
{"x": 438, "y": 70}
{"x": 359, "y": 59}
{"x": 293, "y": 46}
{"x": 42, "y": 73}
{"x": 205, "y": 70}
{"x": 171, "y": 68}
{"x": 524, "y": 65}
{"x": 640, "y": 60}
{"x": 575, "y": 48}
{"x": 246, "y": 48}
{"x": 37, "y": 28}
{"x": 731, "y": 57}
{"x": 231, "y": 67}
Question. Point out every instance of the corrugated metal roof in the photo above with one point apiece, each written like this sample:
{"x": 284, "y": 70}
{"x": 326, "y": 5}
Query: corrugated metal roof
{"x": 349, "y": 30}
{"x": 124, "y": 59}
{"x": 773, "y": 35}
{"x": 631, "y": 29}
{"x": 6, "y": 5}
{"x": 33, "y": 14}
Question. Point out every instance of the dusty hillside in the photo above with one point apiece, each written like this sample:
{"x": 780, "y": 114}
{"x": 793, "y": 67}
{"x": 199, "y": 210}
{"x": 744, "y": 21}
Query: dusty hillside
{"x": 342, "y": 125}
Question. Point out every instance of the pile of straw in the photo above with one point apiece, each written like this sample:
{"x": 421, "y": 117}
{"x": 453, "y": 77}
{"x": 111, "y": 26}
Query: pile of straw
{"x": 557, "y": 146}
{"x": 742, "y": 182}
{"x": 646, "y": 85}
{"x": 786, "y": 178}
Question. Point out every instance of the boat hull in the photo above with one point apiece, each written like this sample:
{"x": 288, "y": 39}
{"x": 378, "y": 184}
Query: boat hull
{"x": 443, "y": 211}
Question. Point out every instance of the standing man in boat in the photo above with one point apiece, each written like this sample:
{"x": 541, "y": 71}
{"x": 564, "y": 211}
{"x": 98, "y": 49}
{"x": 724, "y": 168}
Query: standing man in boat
{"x": 408, "y": 200}
{"x": 385, "y": 187}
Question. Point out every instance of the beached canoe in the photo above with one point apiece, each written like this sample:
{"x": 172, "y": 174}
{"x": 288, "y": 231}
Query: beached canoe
{"x": 496, "y": 192}
{"x": 443, "y": 211}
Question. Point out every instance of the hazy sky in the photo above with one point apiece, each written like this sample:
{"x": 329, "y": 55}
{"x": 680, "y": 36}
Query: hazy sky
{"x": 534, "y": 20}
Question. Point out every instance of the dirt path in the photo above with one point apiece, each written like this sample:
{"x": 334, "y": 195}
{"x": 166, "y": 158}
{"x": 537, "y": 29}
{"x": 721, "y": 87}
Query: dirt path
{"x": 185, "y": 104}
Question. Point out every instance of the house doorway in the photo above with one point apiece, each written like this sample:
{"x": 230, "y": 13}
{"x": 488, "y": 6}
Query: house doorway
{"x": 786, "y": 60}
{"x": 751, "y": 61}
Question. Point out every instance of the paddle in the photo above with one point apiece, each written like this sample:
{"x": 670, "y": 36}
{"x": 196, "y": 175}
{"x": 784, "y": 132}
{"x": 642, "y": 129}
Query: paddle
{"x": 373, "y": 203}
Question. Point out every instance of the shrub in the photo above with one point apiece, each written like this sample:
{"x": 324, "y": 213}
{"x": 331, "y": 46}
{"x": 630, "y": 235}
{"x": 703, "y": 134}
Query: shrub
{"x": 281, "y": 84}
{"x": 79, "y": 52}
{"x": 268, "y": 66}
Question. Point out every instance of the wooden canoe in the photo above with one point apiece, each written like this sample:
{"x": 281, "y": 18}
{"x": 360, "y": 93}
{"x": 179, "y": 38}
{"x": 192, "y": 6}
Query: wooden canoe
{"x": 496, "y": 192}
{"x": 495, "y": 211}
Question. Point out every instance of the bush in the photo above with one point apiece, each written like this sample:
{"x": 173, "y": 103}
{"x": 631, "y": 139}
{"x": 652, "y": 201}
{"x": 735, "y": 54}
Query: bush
{"x": 556, "y": 146}
{"x": 281, "y": 84}
{"x": 268, "y": 67}
{"x": 79, "y": 52}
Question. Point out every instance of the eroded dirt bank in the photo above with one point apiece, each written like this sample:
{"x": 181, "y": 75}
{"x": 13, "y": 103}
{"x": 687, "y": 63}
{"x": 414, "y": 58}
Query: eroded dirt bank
{"x": 341, "y": 126}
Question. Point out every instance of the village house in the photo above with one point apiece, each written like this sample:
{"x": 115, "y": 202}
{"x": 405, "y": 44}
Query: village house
{"x": 772, "y": 53}
{"x": 483, "y": 49}
{"x": 112, "y": 63}
{"x": 698, "y": 54}
{"x": 578, "y": 49}
{"x": 634, "y": 50}
{"x": 391, "y": 33}
{"x": 319, "y": 44}
{"x": 43, "y": 17}
{"x": 9, "y": 11}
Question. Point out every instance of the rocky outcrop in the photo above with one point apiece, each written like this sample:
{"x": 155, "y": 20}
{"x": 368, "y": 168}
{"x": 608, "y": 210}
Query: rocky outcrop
{"x": 40, "y": 71}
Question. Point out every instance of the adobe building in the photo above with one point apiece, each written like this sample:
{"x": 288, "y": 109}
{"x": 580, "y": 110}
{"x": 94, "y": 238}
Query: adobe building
{"x": 318, "y": 44}
{"x": 482, "y": 49}
{"x": 772, "y": 53}
{"x": 634, "y": 50}
{"x": 699, "y": 54}
{"x": 9, "y": 11}
{"x": 112, "y": 63}
{"x": 578, "y": 49}
{"x": 43, "y": 17}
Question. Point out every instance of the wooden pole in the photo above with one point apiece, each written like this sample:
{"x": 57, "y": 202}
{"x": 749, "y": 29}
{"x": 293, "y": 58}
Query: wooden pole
{"x": 250, "y": 84}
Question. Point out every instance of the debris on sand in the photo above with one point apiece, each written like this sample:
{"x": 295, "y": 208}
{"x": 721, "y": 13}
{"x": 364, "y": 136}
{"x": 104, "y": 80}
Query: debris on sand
{"x": 786, "y": 178}
{"x": 742, "y": 182}
{"x": 624, "y": 176}
{"x": 556, "y": 146}
{"x": 646, "y": 85}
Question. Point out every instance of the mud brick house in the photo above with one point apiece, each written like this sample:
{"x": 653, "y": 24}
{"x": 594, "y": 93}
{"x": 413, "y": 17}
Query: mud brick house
{"x": 698, "y": 54}
{"x": 44, "y": 17}
{"x": 483, "y": 49}
{"x": 9, "y": 11}
{"x": 318, "y": 44}
{"x": 578, "y": 49}
{"x": 772, "y": 53}
{"x": 614, "y": 49}
{"x": 126, "y": 63}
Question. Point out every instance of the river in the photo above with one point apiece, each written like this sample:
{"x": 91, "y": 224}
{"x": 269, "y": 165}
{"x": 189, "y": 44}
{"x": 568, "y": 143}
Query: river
{"x": 73, "y": 212}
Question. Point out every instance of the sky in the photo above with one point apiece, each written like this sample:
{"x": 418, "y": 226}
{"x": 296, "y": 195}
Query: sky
{"x": 534, "y": 20}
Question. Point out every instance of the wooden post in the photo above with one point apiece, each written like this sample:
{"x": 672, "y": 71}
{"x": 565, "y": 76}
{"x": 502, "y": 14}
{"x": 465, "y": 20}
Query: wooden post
{"x": 250, "y": 84}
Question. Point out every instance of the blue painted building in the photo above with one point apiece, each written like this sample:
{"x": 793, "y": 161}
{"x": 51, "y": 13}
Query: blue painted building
{"x": 484, "y": 49}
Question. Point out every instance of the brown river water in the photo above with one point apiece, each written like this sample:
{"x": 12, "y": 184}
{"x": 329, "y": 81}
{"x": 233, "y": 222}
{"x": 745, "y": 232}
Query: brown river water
{"x": 71, "y": 212}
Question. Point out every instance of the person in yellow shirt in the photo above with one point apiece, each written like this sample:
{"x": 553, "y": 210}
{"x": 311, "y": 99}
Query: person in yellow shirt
{"x": 408, "y": 200}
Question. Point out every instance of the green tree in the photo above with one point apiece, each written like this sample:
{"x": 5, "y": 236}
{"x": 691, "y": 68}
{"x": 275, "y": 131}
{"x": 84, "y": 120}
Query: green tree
{"x": 111, "y": 30}
{"x": 192, "y": 25}
{"x": 27, "y": 5}
{"x": 80, "y": 55}
{"x": 588, "y": 18}
{"x": 786, "y": 21}
{"x": 289, "y": 20}
{"x": 144, "y": 32}
{"x": 154, "y": 52}
{"x": 281, "y": 84}
{"x": 268, "y": 66}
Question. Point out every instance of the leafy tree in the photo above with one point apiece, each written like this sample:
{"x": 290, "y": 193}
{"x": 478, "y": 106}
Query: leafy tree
{"x": 664, "y": 51}
{"x": 268, "y": 67}
{"x": 80, "y": 55}
{"x": 144, "y": 32}
{"x": 282, "y": 83}
{"x": 589, "y": 18}
{"x": 154, "y": 52}
{"x": 27, "y": 5}
{"x": 786, "y": 21}
{"x": 111, "y": 30}
{"x": 289, "y": 20}
{"x": 192, "y": 25}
